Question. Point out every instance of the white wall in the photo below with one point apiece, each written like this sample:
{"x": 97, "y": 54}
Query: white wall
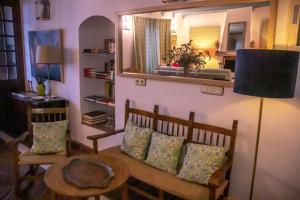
{"x": 208, "y": 19}
{"x": 278, "y": 163}
{"x": 257, "y": 18}
{"x": 238, "y": 15}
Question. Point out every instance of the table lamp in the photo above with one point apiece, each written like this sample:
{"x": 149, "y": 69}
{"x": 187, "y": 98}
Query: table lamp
{"x": 265, "y": 74}
{"x": 48, "y": 55}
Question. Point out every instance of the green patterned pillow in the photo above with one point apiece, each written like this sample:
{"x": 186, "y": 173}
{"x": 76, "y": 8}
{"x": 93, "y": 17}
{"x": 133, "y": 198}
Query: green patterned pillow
{"x": 200, "y": 162}
{"x": 164, "y": 152}
{"x": 49, "y": 137}
{"x": 136, "y": 140}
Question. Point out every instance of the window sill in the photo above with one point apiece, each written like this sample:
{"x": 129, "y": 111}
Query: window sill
{"x": 178, "y": 79}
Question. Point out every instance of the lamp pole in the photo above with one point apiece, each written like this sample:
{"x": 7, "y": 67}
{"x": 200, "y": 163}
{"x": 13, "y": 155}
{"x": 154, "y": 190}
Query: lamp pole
{"x": 261, "y": 104}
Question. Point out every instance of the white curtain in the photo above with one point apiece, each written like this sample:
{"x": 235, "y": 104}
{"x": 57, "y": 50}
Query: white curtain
{"x": 152, "y": 39}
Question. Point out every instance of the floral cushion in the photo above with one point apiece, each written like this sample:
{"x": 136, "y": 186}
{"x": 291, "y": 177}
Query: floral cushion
{"x": 164, "y": 152}
{"x": 49, "y": 137}
{"x": 136, "y": 140}
{"x": 200, "y": 162}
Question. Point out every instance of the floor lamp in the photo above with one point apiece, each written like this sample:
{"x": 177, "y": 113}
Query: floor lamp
{"x": 265, "y": 74}
{"x": 48, "y": 55}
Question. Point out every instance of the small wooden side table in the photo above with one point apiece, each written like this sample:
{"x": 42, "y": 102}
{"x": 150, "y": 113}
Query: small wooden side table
{"x": 58, "y": 186}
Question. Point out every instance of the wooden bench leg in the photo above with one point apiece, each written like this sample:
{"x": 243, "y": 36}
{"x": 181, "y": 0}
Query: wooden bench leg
{"x": 17, "y": 179}
{"x": 53, "y": 196}
{"x": 161, "y": 195}
{"x": 124, "y": 191}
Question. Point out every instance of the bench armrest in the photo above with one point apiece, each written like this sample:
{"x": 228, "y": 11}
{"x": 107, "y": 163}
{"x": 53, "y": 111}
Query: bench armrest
{"x": 99, "y": 136}
{"x": 216, "y": 178}
{"x": 95, "y": 138}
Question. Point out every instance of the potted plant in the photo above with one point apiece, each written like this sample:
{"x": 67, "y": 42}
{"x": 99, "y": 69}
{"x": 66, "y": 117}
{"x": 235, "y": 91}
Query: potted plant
{"x": 40, "y": 87}
{"x": 187, "y": 56}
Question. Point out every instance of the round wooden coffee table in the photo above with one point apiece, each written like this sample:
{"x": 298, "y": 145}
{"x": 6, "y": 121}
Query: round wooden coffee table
{"x": 58, "y": 186}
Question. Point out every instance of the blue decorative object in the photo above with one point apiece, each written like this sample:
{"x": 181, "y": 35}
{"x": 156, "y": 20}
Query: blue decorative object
{"x": 42, "y": 38}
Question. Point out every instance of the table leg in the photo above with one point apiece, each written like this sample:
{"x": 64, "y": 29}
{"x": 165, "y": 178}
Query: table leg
{"x": 124, "y": 192}
{"x": 53, "y": 196}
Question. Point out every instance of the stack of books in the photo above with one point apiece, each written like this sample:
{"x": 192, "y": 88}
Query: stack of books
{"x": 95, "y": 117}
{"x": 96, "y": 73}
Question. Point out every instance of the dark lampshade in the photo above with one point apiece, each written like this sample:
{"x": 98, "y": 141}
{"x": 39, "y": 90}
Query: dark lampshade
{"x": 266, "y": 73}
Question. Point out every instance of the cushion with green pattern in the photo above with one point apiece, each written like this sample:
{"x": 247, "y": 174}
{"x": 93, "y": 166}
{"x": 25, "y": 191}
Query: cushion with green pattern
{"x": 136, "y": 140}
{"x": 164, "y": 152}
{"x": 200, "y": 162}
{"x": 49, "y": 137}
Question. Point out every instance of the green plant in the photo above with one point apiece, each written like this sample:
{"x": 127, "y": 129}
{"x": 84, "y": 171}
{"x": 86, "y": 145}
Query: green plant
{"x": 40, "y": 80}
{"x": 187, "y": 55}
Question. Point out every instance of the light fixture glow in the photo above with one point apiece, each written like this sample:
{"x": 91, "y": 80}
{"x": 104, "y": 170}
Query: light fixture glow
{"x": 173, "y": 25}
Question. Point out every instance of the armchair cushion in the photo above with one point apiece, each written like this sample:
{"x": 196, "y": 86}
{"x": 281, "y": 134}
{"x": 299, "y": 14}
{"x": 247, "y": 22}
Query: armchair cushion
{"x": 164, "y": 152}
{"x": 136, "y": 140}
{"x": 200, "y": 162}
{"x": 49, "y": 137}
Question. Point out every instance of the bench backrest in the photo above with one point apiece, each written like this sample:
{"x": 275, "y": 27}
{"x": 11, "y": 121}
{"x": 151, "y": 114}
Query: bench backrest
{"x": 194, "y": 132}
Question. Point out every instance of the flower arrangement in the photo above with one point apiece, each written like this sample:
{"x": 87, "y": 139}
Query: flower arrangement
{"x": 188, "y": 56}
{"x": 39, "y": 80}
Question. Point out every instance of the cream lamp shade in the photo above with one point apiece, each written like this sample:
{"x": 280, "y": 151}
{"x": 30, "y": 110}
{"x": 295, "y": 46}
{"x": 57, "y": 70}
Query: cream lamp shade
{"x": 48, "y": 55}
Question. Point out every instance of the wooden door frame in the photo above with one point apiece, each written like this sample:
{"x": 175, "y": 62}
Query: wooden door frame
{"x": 18, "y": 84}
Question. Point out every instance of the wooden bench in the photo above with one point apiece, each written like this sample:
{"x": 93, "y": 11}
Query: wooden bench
{"x": 194, "y": 132}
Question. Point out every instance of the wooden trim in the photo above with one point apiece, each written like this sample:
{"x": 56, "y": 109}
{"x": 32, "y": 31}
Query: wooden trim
{"x": 19, "y": 83}
{"x": 140, "y": 112}
{"x": 166, "y": 118}
{"x": 49, "y": 110}
{"x": 233, "y": 138}
{"x": 191, "y": 126}
{"x": 187, "y": 5}
{"x": 126, "y": 111}
{"x": 178, "y": 79}
{"x": 155, "y": 117}
{"x": 272, "y": 24}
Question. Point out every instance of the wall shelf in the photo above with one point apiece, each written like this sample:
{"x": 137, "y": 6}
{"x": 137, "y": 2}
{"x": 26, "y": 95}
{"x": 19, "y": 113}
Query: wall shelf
{"x": 100, "y": 100}
{"x": 97, "y": 51}
{"x": 106, "y": 78}
{"x": 97, "y": 80}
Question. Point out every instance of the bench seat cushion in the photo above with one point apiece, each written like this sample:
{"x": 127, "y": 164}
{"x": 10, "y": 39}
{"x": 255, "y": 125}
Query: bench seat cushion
{"x": 163, "y": 180}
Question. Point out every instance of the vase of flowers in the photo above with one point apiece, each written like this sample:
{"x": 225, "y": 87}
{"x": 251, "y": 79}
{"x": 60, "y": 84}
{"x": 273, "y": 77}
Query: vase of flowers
{"x": 40, "y": 86}
{"x": 187, "y": 57}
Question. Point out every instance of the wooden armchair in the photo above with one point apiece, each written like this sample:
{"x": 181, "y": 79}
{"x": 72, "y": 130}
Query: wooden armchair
{"x": 35, "y": 160}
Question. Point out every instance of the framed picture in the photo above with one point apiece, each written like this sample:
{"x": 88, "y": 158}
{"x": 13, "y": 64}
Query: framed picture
{"x": 294, "y": 26}
{"x": 49, "y": 37}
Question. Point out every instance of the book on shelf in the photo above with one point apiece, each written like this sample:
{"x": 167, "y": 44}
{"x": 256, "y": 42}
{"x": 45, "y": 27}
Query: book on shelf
{"x": 94, "y": 115}
{"x": 93, "y": 122}
{"x": 102, "y": 117}
{"x": 95, "y": 51}
{"x": 97, "y": 73}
